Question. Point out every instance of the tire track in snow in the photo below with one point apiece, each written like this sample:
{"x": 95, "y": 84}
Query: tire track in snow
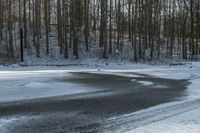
{"x": 135, "y": 120}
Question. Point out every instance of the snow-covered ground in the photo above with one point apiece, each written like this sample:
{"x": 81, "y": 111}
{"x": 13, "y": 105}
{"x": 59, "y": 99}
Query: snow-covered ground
{"x": 188, "y": 122}
{"x": 18, "y": 83}
{"x": 21, "y": 85}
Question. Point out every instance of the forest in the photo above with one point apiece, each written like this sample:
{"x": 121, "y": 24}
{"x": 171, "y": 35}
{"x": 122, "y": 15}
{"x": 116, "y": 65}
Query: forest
{"x": 99, "y": 66}
{"x": 136, "y": 30}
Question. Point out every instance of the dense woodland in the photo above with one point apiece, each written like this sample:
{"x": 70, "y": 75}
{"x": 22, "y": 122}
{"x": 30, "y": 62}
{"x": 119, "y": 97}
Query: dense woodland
{"x": 140, "y": 29}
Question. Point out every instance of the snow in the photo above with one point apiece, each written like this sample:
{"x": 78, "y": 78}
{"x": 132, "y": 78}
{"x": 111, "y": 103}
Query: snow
{"x": 35, "y": 85}
{"x": 147, "y": 83}
{"x": 4, "y": 122}
{"x": 19, "y": 83}
{"x": 188, "y": 122}
{"x": 194, "y": 89}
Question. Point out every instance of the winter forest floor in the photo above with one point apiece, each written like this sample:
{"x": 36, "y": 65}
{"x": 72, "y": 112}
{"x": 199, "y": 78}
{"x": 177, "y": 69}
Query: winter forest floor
{"x": 22, "y": 83}
{"x": 70, "y": 66}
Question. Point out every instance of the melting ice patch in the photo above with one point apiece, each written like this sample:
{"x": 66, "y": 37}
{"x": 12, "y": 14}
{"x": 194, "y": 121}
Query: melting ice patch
{"x": 146, "y": 83}
{"x": 34, "y": 85}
